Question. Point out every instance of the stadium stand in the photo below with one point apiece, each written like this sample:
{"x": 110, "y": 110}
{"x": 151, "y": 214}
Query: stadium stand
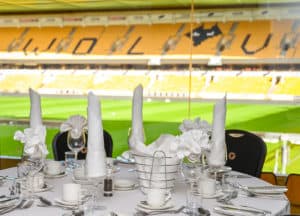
{"x": 244, "y": 39}
{"x": 175, "y": 83}
{"x": 19, "y": 81}
{"x": 67, "y": 81}
{"x": 288, "y": 85}
{"x": 119, "y": 82}
{"x": 240, "y": 84}
{"x": 156, "y": 83}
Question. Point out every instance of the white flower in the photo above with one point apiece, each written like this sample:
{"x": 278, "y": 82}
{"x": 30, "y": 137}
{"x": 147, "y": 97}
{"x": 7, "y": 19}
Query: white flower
{"x": 195, "y": 138}
{"x": 196, "y": 124}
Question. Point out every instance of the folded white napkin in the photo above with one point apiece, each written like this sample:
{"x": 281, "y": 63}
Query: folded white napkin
{"x": 136, "y": 139}
{"x": 35, "y": 109}
{"x": 217, "y": 156}
{"x": 34, "y": 138}
{"x": 76, "y": 124}
{"x": 96, "y": 156}
{"x": 34, "y": 141}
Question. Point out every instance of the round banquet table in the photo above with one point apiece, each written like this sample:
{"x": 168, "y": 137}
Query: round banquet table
{"x": 125, "y": 202}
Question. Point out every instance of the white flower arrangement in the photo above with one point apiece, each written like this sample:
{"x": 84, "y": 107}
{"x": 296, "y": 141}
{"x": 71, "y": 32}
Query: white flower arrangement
{"x": 33, "y": 140}
{"x": 195, "y": 138}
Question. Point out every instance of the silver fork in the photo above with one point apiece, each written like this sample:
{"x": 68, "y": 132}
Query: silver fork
{"x": 18, "y": 205}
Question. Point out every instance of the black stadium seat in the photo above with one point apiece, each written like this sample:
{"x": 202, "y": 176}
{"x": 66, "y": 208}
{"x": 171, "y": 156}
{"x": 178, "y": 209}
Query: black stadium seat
{"x": 59, "y": 145}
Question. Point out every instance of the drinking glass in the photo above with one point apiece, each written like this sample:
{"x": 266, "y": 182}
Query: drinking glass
{"x": 70, "y": 162}
{"x": 76, "y": 142}
{"x": 191, "y": 171}
{"x": 193, "y": 200}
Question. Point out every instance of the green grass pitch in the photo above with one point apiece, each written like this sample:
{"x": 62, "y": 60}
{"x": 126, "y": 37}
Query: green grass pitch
{"x": 159, "y": 118}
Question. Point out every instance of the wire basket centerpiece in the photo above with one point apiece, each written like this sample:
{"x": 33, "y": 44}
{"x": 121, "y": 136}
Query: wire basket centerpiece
{"x": 157, "y": 170}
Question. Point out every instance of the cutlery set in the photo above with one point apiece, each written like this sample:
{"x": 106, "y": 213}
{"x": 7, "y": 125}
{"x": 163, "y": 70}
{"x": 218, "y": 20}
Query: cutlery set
{"x": 240, "y": 210}
{"x": 19, "y": 204}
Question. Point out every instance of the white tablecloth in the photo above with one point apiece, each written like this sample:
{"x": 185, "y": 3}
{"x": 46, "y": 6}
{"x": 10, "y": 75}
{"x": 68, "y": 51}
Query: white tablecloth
{"x": 125, "y": 202}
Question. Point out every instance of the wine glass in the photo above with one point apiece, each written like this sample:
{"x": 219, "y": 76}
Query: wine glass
{"x": 191, "y": 170}
{"x": 76, "y": 141}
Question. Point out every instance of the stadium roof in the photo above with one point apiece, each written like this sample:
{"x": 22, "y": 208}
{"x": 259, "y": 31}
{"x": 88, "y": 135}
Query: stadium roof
{"x": 50, "y": 6}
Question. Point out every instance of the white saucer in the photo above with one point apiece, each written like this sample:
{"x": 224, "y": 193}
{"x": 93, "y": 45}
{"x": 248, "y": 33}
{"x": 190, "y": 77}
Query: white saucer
{"x": 65, "y": 203}
{"x": 60, "y": 175}
{"x": 143, "y": 206}
{"x": 124, "y": 183}
{"x": 126, "y": 188}
{"x": 88, "y": 181}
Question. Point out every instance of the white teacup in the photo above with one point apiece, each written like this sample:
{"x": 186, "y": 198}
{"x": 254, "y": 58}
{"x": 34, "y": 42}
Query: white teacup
{"x": 207, "y": 186}
{"x": 53, "y": 167}
{"x": 71, "y": 192}
{"x": 157, "y": 197}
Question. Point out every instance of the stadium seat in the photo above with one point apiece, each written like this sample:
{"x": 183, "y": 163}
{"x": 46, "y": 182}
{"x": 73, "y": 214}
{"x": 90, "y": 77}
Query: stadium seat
{"x": 246, "y": 152}
{"x": 269, "y": 177}
{"x": 293, "y": 193}
{"x": 59, "y": 146}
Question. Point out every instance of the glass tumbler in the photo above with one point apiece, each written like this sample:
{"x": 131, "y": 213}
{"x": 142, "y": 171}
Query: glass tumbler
{"x": 70, "y": 161}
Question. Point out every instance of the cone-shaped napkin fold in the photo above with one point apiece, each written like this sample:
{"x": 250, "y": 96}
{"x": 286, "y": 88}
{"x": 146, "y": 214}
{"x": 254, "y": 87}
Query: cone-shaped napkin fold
{"x": 137, "y": 129}
{"x": 34, "y": 137}
{"x": 217, "y": 156}
{"x": 35, "y": 109}
{"x": 96, "y": 157}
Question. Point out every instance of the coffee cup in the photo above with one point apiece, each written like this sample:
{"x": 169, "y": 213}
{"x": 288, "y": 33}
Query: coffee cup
{"x": 53, "y": 167}
{"x": 207, "y": 186}
{"x": 157, "y": 197}
{"x": 71, "y": 192}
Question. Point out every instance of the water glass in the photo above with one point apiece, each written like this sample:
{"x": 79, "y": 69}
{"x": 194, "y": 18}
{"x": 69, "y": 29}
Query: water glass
{"x": 70, "y": 161}
{"x": 193, "y": 200}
